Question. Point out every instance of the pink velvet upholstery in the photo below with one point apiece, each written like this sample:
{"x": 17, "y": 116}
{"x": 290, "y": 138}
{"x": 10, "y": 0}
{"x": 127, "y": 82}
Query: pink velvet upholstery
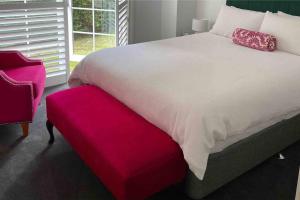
{"x": 12, "y": 59}
{"x": 132, "y": 157}
{"x": 29, "y": 73}
{"x": 22, "y": 83}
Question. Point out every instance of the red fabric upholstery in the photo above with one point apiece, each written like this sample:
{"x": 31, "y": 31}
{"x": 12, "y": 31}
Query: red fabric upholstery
{"x": 35, "y": 74}
{"x": 10, "y": 59}
{"x": 133, "y": 158}
{"x": 22, "y": 87}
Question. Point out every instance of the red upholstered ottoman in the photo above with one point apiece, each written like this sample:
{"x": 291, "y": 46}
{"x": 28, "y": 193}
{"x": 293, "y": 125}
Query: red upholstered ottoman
{"x": 132, "y": 157}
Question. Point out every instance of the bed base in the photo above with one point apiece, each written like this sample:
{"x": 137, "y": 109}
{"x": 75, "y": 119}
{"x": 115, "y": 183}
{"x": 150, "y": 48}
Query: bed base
{"x": 242, "y": 156}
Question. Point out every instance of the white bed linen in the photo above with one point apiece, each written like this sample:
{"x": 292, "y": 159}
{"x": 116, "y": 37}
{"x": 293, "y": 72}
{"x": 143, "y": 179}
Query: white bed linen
{"x": 223, "y": 144}
{"x": 200, "y": 89}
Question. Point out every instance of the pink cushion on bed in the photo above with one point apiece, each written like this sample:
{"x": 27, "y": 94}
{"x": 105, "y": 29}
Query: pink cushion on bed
{"x": 255, "y": 40}
{"x": 132, "y": 157}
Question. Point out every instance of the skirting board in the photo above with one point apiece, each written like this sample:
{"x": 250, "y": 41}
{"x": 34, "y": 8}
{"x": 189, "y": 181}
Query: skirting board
{"x": 242, "y": 156}
{"x": 56, "y": 80}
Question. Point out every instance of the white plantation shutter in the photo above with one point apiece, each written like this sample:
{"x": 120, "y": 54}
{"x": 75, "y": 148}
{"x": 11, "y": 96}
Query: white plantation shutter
{"x": 122, "y": 25}
{"x": 37, "y": 28}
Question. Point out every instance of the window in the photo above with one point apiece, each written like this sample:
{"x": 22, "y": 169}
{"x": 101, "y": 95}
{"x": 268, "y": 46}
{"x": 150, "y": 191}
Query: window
{"x": 94, "y": 26}
{"x": 38, "y": 29}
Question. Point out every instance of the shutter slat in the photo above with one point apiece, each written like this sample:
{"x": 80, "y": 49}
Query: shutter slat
{"x": 31, "y": 13}
{"x": 60, "y": 67}
{"x": 123, "y": 40}
{"x": 35, "y": 46}
{"x": 56, "y": 73}
{"x": 31, "y": 33}
{"x": 31, "y": 26}
{"x": 57, "y": 61}
{"x": 46, "y": 50}
{"x": 122, "y": 12}
{"x": 123, "y": 19}
{"x": 48, "y": 56}
{"x": 123, "y": 3}
{"x": 124, "y": 31}
{"x": 36, "y": 39}
{"x": 6, "y": 21}
{"x": 123, "y": 25}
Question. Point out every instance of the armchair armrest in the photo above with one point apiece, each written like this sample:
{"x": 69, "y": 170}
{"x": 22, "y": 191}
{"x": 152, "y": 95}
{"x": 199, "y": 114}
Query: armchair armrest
{"x": 16, "y": 102}
{"x": 10, "y": 59}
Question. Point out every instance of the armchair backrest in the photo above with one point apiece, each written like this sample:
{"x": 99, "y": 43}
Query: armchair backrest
{"x": 10, "y": 59}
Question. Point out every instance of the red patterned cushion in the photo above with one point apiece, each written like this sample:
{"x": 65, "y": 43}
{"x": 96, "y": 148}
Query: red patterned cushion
{"x": 255, "y": 40}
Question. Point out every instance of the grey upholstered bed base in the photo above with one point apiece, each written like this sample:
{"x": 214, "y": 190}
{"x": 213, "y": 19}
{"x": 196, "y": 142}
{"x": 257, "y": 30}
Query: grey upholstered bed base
{"x": 242, "y": 156}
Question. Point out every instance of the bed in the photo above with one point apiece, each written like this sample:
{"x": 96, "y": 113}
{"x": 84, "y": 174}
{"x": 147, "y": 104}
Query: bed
{"x": 245, "y": 115}
{"x": 242, "y": 156}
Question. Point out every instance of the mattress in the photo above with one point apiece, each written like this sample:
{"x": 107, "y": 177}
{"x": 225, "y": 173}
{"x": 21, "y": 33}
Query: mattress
{"x": 200, "y": 89}
{"x": 222, "y": 145}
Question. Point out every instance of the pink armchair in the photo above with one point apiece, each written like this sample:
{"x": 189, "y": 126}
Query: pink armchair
{"x": 22, "y": 83}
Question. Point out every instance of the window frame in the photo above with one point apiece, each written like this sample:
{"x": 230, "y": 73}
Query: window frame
{"x": 76, "y": 57}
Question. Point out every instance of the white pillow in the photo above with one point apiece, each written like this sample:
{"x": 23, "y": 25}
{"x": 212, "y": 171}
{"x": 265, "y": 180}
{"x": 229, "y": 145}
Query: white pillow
{"x": 285, "y": 29}
{"x": 286, "y": 15}
{"x": 230, "y": 18}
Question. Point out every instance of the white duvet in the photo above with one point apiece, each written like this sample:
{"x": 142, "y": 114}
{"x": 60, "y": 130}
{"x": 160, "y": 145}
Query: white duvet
{"x": 200, "y": 89}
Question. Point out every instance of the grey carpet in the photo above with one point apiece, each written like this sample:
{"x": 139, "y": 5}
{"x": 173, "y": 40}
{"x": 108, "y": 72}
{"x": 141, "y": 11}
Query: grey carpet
{"x": 31, "y": 170}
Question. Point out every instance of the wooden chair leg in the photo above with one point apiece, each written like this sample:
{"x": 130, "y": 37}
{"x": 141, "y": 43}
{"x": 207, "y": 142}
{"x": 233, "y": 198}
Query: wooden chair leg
{"x": 25, "y": 128}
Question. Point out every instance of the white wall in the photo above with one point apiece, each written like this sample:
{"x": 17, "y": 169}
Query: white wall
{"x": 147, "y": 20}
{"x": 159, "y": 19}
{"x": 209, "y": 9}
{"x": 186, "y": 11}
{"x": 168, "y": 18}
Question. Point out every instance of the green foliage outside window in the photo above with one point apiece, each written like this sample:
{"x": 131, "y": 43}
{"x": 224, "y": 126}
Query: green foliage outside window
{"x": 82, "y": 3}
{"x": 82, "y": 20}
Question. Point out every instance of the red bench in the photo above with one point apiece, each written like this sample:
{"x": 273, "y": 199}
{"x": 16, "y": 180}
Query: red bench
{"x": 132, "y": 157}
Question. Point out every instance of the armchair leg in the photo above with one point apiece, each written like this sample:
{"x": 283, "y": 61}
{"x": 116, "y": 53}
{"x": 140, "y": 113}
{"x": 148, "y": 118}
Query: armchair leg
{"x": 25, "y": 128}
{"x": 50, "y": 130}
